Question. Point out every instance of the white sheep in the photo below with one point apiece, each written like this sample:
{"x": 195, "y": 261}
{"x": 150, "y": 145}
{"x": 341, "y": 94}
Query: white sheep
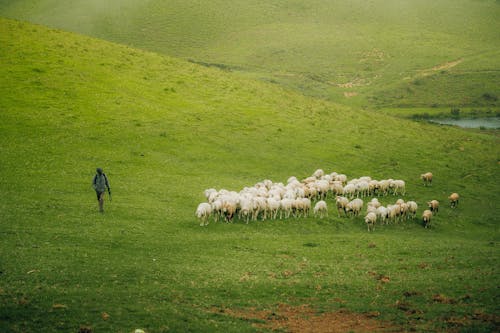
{"x": 286, "y": 207}
{"x": 398, "y": 187}
{"x": 246, "y": 208}
{"x": 318, "y": 173}
{"x": 370, "y": 220}
{"x": 374, "y": 203}
{"x": 203, "y": 213}
{"x": 321, "y": 209}
{"x": 382, "y": 214}
{"x": 354, "y": 207}
{"x": 341, "y": 203}
{"x": 349, "y": 190}
{"x": 412, "y": 208}
{"x": 273, "y": 206}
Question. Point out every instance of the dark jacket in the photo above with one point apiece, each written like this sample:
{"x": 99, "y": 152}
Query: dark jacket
{"x": 100, "y": 182}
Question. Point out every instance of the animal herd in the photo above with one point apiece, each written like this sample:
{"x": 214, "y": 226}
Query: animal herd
{"x": 268, "y": 200}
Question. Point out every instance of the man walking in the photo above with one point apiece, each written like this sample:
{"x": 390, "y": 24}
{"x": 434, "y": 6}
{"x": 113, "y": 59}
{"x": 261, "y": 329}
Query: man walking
{"x": 100, "y": 183}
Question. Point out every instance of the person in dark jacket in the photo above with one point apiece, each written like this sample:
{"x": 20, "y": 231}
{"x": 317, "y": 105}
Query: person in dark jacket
{"x": 100, "y": 183}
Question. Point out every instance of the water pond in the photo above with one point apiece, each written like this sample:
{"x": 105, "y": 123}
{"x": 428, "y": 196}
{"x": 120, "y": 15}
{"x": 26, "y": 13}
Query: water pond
{"x": 488, "y": 122}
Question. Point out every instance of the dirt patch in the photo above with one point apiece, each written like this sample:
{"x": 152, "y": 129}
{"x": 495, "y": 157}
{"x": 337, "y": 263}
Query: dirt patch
{"x": 303, "y": 318}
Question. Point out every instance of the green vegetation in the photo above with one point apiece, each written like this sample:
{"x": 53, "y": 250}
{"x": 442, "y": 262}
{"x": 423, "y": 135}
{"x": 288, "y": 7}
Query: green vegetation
{"x": 381, "y": 53}
{"x": 164, "y": 130}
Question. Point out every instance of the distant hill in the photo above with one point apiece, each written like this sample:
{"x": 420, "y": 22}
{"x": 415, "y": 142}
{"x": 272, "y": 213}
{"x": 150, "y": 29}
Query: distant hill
{"x": 373, "y": 54}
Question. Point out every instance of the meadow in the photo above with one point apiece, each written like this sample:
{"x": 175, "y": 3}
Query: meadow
{"x": 165, "y": 129}
{"x": 381, "y": 53}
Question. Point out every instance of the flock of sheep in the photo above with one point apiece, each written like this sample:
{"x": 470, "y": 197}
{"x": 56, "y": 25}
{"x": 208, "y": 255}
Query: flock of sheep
{"x": 269, "y": 200}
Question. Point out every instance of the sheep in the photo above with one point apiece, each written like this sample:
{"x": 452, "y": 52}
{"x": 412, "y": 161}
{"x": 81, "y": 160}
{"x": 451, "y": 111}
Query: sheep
{"x": 370, "y": 220}
{"x": 426, "y": 218}
{"x": 336, "y": 187}
{"x": 273, "y": 206}
{"x": 341, "y": 178}
{"x": 433, "y": 206}
{"x": 453, "y": 199}
{"x": 203, "y": 213}
{"x": 397, "y": 186}
{"x": 321, "y": 209}
{"x": 210, "y": 194}
{"x": 354, "y": 206}
{"x": 217, "y": 209}
{"x": 246, "y": 209}
{"x": 427, "y": 178}
{"x": 362, "y": 188}
{"x": 306, "y": 206}
{"x": 322, "y": 186}
{"x": 286, "y": 207}
{"x": 393, "y": 212}
{"x": 374, "y": 203}
{"x": 349, "y": 190}
{"x": 383, "y": 187}
{"x": 318, "y": 173}
{"x": 229, "y": 207}
{"x": 412, "y": 208}
{"x": 341, "y": 203}
{"x": 382, "y": 213}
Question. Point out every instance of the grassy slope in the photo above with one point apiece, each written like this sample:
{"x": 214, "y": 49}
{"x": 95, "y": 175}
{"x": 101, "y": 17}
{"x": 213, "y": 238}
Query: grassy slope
{"x": 377, "y": 48}
{"x": 164, "y": 130}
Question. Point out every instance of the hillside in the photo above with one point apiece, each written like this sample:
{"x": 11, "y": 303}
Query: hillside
{"x": 372, "y": 54}
{"x": 164, "y": 130}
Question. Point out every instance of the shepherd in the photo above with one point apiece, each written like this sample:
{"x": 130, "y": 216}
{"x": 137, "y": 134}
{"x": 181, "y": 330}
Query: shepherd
{"x": 100, "y": 183}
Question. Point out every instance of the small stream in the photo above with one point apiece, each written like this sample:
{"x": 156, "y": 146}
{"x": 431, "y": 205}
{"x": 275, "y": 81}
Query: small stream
{"x": 488, "y": 122}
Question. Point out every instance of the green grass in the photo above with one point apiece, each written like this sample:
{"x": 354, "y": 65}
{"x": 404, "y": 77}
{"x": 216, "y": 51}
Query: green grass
{"x": 164, "y": 130}
{"x": 373, "y": 52}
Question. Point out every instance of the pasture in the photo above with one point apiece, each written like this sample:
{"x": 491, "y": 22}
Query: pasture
{"x": 166, "y": 129}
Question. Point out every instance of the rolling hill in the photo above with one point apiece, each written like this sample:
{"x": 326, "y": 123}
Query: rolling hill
{"x": 372, "y": 54}
{"x": 165, "y": 129}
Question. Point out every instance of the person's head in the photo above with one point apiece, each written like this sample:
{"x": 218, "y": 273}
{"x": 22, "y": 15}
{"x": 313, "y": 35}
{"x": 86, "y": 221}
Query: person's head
{"x": 99, "y": 171}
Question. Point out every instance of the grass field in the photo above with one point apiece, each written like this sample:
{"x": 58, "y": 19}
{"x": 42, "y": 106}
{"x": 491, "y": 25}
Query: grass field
{"x": 372, "y": 54}
{"x": 164, "y": 130}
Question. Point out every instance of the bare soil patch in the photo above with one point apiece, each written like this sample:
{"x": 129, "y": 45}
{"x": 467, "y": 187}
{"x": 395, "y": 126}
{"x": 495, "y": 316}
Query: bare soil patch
{"x": 303, "y": 318}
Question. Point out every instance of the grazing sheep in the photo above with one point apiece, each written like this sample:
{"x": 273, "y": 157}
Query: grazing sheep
{"x": 336, "y": 187}
{"x": 383, "y": 214}
{"x": 427, "y": 178}
{"x": 350, "y": 190}
{"x": 246, "y": 209}
{"x": 426, "y": 218}
{"x": 321, "y": 209}
{"x": 318, "y": 173}
{"x": 370, "y": 220}
{"x": 203, "y": 213}
{"x": 433, "y": 206}
{"x": 306, "y": 206}
{"x": 286, "y": 206}
{"x": 273, "y": 206}
{"x": 412, "y": 209}
{"x": 341, "y": 203}
{"x": 393, "y": 212}
{"x": 383, "y": 187}
{"x": 354, "y": 206}
{"x": 374, "y": 203}
{"x": 398, "y": 187}
{"x": 454, "y": 199}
